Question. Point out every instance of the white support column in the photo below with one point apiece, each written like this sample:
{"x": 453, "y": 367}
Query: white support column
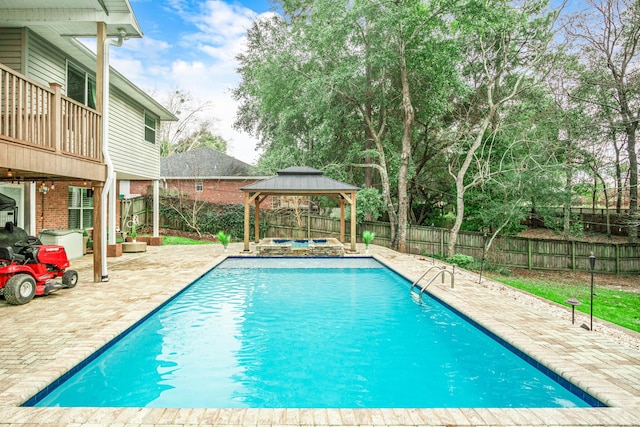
{"x": 156, "y": 208}
{"x": 30, "y": 193}
{"x": 113, "y": 197}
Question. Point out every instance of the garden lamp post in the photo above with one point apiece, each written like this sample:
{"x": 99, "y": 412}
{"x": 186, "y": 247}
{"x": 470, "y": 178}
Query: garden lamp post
{"x": 592, "y": 264}
{"x": 484, "y": 247}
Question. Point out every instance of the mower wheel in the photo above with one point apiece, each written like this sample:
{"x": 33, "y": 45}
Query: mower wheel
{"x": 20, "y": 289}
{"x": 70, "y": 279}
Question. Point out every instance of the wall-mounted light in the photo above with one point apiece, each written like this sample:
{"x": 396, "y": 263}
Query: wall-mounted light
{"x": 53, "y": 185}
{"x": 9, "y": 173}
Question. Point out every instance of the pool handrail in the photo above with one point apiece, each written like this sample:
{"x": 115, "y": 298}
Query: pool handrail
{"x": 441, "y": 273}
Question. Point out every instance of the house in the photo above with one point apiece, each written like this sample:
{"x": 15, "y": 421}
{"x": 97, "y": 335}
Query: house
{"x": 72, "y": 130}
{"x": 203, "y": 174}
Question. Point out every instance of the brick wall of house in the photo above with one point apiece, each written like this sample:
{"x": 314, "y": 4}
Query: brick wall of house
{"x": 141, "y": 187}
{"x": 56, "y": 206}
{"x": 214, "y": 190}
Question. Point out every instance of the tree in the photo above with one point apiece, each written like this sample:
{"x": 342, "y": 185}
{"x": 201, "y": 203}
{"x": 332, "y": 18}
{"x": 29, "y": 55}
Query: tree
{"x": 507, "y": 43}
{"x": 344, "y": 84}
{"x": 192, "y": 130}
{"x": 607, "y": 34}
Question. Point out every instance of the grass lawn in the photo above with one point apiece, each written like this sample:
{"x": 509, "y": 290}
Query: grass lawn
{"x": 615, "y": 306}
{"x": 176, "y": 240}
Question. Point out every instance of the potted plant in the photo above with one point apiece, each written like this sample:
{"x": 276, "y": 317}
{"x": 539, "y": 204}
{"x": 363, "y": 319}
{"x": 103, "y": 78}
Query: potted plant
{"x": 224, "y": 238}
{"x": 134, "y": 232}
{"x": 367, "y": 237}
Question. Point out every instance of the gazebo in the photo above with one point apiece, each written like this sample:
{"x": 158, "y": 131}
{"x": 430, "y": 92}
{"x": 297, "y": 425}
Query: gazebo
{"x": 299, "y": 181}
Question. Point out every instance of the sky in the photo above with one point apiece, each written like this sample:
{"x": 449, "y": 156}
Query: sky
{"x": 191, "y": 45}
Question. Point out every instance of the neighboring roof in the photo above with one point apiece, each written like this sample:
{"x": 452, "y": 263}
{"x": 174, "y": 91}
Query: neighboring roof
{"x": 203, "y": 163}
{"x": 300, "y": 179}
{"x": 61, "y": 21}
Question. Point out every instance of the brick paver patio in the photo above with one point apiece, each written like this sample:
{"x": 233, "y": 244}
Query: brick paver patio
{"x": 41, "y": 340}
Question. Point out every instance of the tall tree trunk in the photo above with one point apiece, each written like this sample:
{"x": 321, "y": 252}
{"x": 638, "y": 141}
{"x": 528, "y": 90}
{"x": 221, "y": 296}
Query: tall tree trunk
{"x": 633, "y": 185}
{"x": 403, "y": 172}
{"x": 618, "y": 181}
{"x": 459, "y": 179}
{"x": 381, "y": 167}
{"x": 606, "y": 201}
{"x": 568, "y": 193}
{"x": 631, "y": 125}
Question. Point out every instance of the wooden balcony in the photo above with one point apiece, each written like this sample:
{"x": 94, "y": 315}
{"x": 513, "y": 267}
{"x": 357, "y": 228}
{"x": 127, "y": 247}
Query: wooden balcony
{"x": 43, "y": 133}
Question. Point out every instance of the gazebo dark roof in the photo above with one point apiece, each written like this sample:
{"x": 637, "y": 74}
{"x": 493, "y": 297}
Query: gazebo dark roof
{"x": 300, "y": 179}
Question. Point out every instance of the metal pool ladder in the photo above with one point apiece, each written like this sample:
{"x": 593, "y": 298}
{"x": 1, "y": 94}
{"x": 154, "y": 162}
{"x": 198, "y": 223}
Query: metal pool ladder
{"x": 441, "y": 273}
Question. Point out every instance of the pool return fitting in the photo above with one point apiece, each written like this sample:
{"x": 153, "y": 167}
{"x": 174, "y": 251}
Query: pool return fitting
{"x": 442, "y": 271}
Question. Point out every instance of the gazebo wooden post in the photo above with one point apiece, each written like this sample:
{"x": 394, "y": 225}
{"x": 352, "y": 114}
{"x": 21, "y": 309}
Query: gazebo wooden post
{"x": 247, "y": 224}
{"x": 353, "y": 221}
{"x": 342, "y": 227}
{"x": 257, "y": 219}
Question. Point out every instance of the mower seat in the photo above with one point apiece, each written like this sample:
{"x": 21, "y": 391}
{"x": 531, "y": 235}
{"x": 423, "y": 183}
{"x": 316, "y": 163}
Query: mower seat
{"x": 6, "y": 253}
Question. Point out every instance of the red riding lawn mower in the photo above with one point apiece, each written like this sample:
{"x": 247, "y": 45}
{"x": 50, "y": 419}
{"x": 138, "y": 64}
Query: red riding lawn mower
{"x": 27, "y": 267}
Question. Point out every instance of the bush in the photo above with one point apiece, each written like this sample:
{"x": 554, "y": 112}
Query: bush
{"x": 211, "y": 218}
{"x": 368, "y": 203}
{"x": 461, "y": 260}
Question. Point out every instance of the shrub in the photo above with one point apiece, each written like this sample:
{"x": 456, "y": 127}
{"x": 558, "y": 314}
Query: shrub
{"x": 461, "y": 260}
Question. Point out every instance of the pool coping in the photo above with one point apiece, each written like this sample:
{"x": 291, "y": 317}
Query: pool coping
{"x": 33, "y": 356}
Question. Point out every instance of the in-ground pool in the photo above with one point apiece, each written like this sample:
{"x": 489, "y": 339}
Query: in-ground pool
{"x": 306, "y": 332}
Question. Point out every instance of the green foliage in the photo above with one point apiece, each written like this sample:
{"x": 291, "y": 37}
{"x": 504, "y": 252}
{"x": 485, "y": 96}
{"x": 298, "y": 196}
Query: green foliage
{"x": 553, "y": 218}
{"x": 367, "y": 237}
{"x": 224, "y": 238}
{"x": 321, "y": 86}
{"x": 211, "y": 218}
{"x": 461, "y": 260}
{"x": 368, "y": 204}
{"x": 177, "y": 240}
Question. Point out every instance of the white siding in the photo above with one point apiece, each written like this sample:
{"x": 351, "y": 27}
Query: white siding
{"x": 11, "y": 48}
{"x": 130, "y": 153}
{"x": 45, "y": 64}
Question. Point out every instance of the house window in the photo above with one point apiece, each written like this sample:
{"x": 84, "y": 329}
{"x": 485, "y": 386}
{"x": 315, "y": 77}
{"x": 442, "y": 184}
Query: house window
{"x": 149, "y": 128}
{"x": 80, "y": 208}
{"x": 81, "y": 86}
{"x": 199, "y": 186}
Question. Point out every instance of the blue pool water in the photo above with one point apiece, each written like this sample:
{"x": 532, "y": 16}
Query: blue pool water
{"x": 305, "y": 332}
{"x": 300, "y": 243}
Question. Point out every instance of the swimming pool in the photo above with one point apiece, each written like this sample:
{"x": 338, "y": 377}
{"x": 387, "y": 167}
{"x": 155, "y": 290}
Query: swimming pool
{"x": 215, "y": 345}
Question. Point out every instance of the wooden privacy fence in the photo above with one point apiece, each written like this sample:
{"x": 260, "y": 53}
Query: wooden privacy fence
{"x": 513, "y": 252}
{"x": 132, "y": 208}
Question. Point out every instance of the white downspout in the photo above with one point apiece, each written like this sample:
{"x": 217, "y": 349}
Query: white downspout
{"x": 156, "y": 208}
{"x": 109, "y": 183}
{"x": 31, "y": 189}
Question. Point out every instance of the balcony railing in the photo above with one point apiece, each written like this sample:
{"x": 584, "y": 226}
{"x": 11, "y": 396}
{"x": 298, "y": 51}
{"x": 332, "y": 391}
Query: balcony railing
{"x": 40, "y": 117}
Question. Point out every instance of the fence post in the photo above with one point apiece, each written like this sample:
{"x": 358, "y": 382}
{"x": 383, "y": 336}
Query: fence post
{"x": 529, "y": 256}
{"x": 573, "y": 256}
{"x": 616, "y": 249}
